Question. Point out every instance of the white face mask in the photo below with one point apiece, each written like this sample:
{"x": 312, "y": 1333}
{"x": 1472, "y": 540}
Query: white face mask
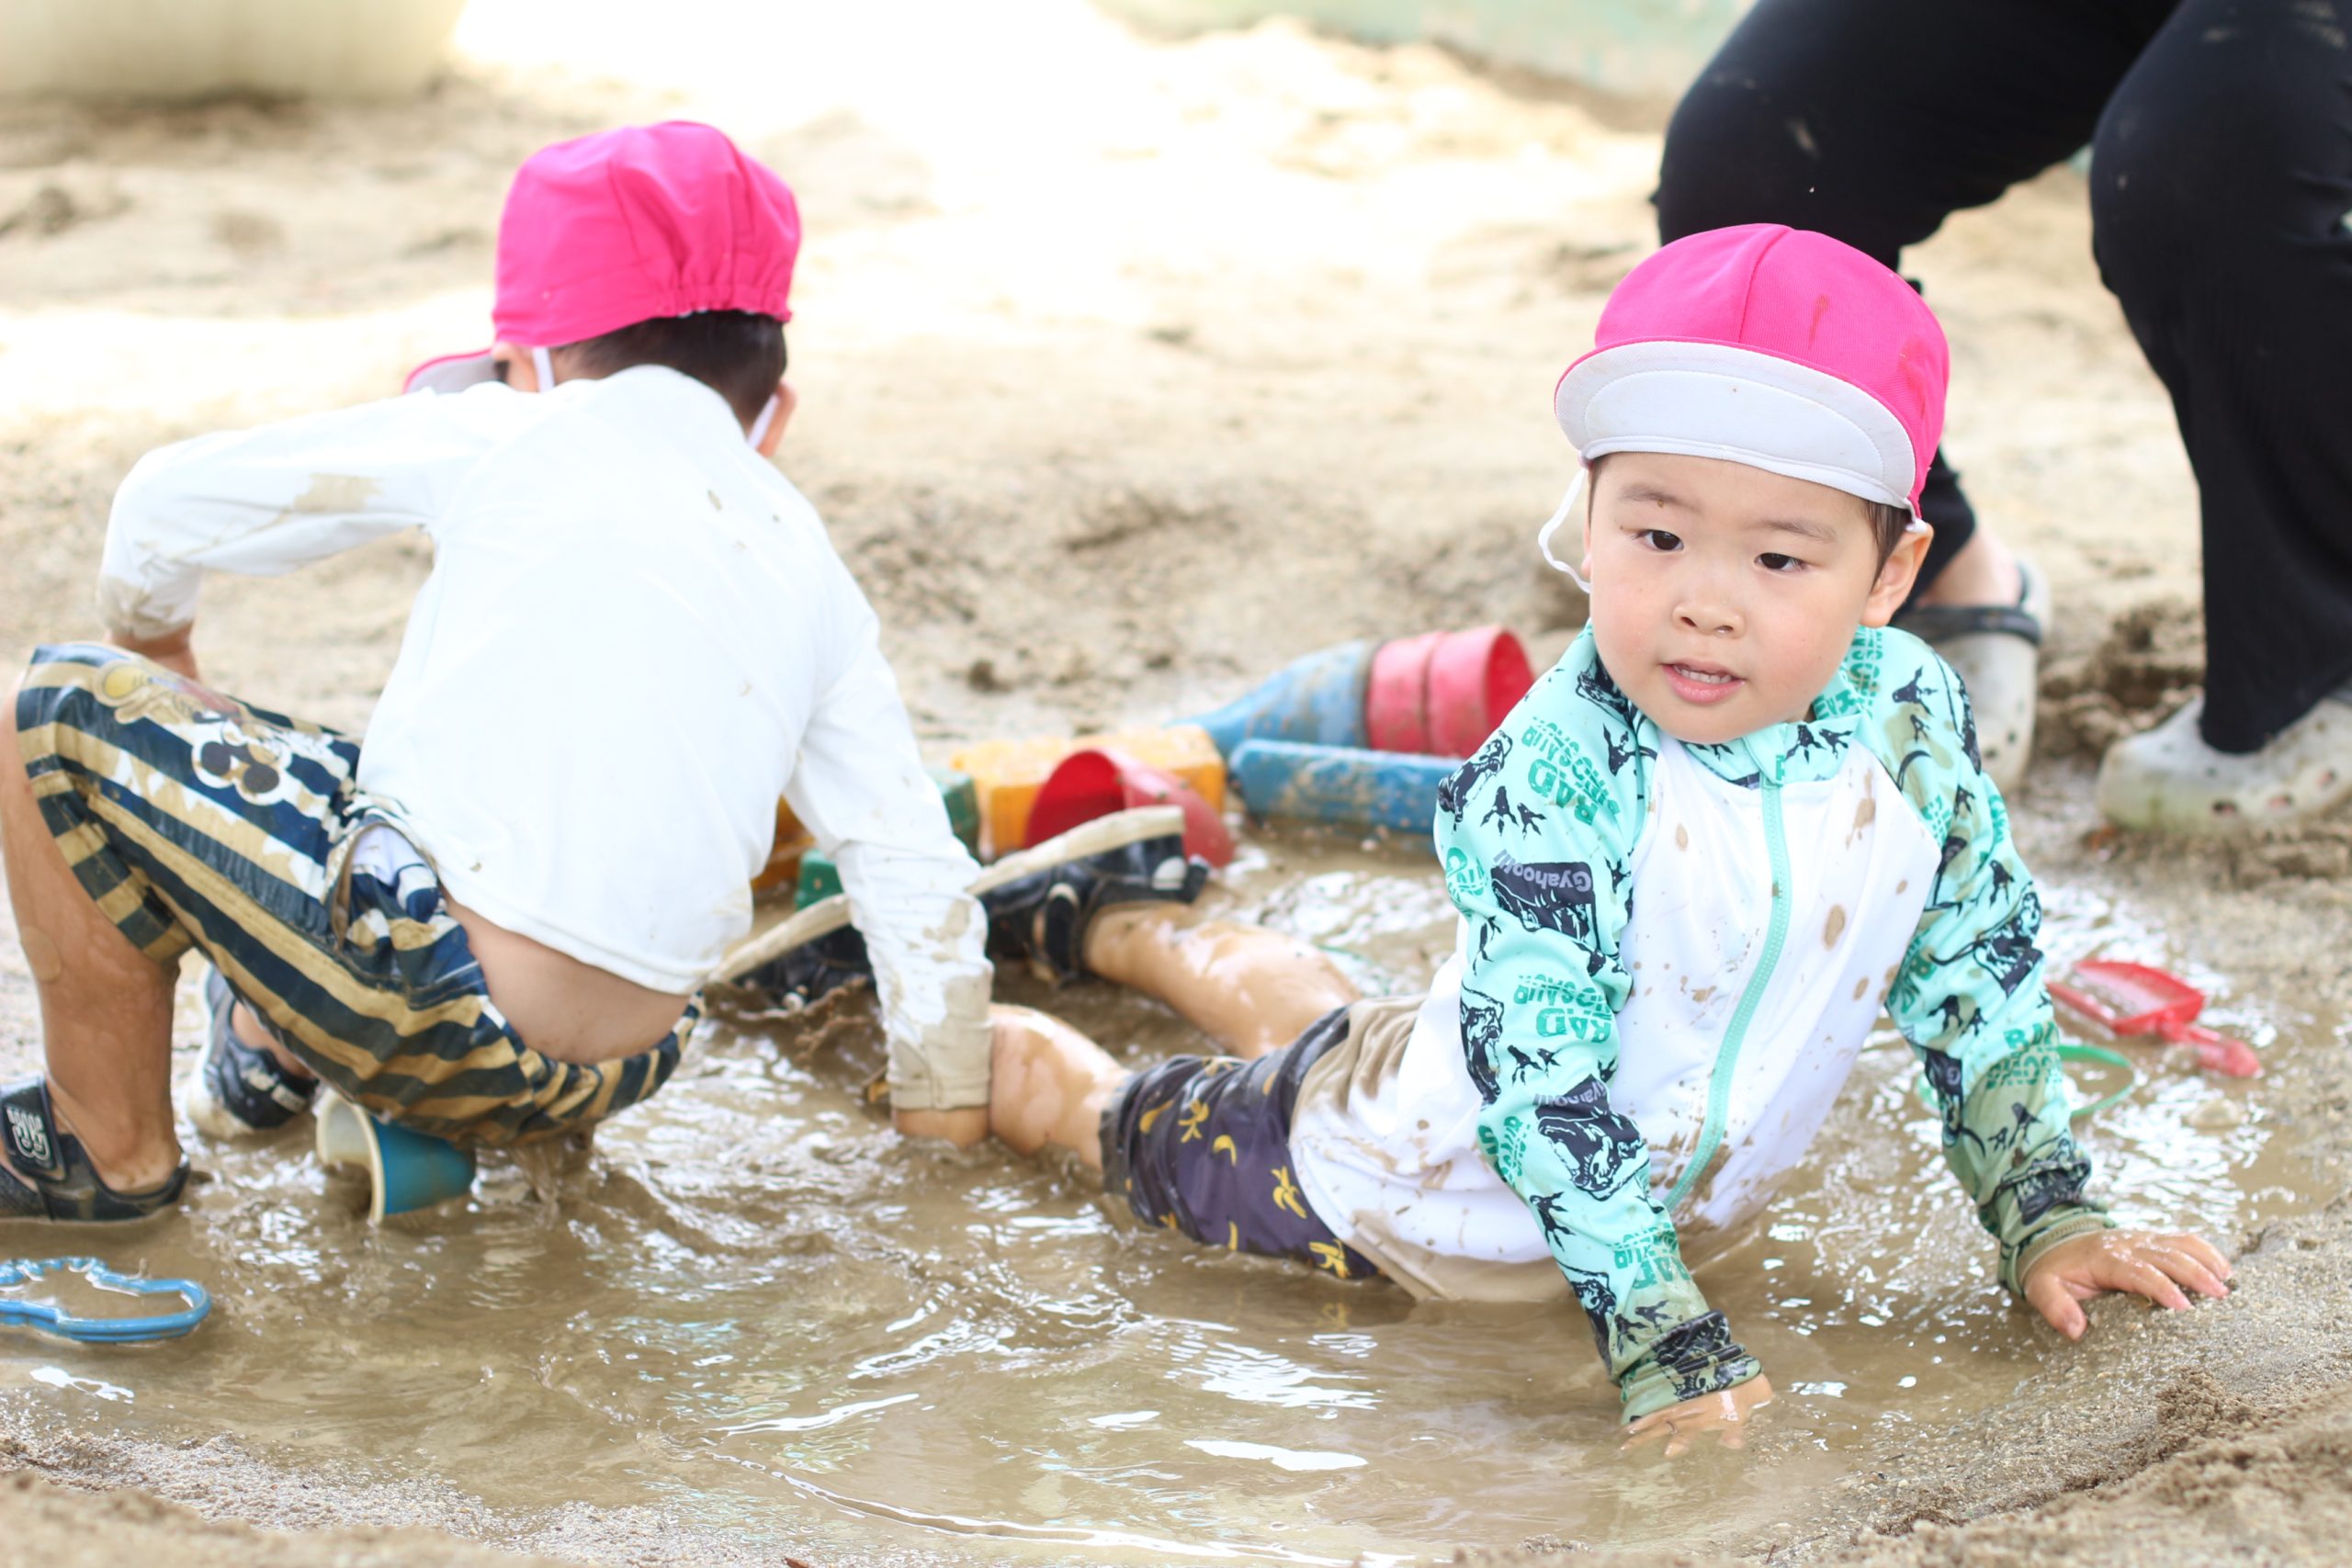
{"x": 544, "y": 365}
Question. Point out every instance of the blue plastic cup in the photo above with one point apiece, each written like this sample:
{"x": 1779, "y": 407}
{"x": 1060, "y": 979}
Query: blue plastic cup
{"x": 1348, "y": 785}
{"x": 406, "y": 1170}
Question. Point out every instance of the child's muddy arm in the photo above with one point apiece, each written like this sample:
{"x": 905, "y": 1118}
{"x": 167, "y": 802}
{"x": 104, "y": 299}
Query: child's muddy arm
{"x": 1542, "y": 987}
{"x": 1971, "y": 998}
{"x": 861, "y": 789}
{"x": 263, "y": 501}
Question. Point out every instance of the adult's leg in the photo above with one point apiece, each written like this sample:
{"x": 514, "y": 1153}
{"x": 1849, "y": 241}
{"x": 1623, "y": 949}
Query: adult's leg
{"x": 1872, "y": 121}
{"x": 2220, "y": 185}
{"x": 106, "y": 1006}
{"x": 1249, "y": 988}
{"x": 1048, "y": 1084}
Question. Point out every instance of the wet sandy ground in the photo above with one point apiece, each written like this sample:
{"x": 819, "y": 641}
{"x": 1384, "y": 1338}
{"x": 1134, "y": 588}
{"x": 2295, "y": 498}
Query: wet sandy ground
{"x": 760, "y": 1318}
{"x": 1306, "y": 328}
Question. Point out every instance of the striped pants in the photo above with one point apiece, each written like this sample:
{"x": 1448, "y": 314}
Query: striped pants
{"x": 194, "y": 821}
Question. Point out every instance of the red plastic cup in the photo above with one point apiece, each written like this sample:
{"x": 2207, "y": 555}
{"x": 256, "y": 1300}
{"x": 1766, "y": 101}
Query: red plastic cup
{"x": 1092, "y": 784}
{"x": 1474, "y": 679}
{"x": 1396, "y": 708}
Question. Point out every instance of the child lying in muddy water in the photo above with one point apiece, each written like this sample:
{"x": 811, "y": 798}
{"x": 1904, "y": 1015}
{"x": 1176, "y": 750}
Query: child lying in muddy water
{"x": 1739, "y": 819}
{"x": 493, "y": 922}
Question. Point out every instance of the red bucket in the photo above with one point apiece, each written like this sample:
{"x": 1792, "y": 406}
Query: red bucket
{"x": 1396, "y": 708}
{"x": 1475, "y": 677}
{"x": 1092, "y": 784}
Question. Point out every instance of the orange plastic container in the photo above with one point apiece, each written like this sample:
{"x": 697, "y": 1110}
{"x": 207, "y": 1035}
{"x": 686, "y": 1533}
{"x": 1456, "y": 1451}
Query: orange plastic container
{"x": 792, "y": 841}
{"x": 1008, "y": 773}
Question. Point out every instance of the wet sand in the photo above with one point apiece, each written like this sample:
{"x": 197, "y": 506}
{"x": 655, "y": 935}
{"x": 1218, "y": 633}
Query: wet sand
{"x": 1284, "y": 385}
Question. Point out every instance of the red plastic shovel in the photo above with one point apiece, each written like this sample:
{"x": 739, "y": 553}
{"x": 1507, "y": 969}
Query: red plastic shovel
{"x": 2129, "y": 1000}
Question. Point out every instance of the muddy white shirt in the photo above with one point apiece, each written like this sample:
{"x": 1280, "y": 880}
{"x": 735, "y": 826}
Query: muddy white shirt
{"x": 1668, "y": 958}
{"x": 635, "y": 636}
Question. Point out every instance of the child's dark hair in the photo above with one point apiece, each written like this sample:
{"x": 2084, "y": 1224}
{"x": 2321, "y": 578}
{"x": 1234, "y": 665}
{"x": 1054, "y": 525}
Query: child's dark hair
{"x": 735, "y": 353}
{"x": 1887, "y": 525}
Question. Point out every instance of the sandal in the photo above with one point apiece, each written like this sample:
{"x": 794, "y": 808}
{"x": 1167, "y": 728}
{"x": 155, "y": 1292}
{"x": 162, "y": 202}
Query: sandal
{"x": 238, "y": 1091}
{"x": 64, "y": 1187}
{"x": 1038, "y": 902}
{"x": 2166, "y": 780}
{"x": 1996, "y": 651}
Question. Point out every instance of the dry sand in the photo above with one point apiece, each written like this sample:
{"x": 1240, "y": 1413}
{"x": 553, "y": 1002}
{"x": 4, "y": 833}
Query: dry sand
{"x": 1222, "y": 350}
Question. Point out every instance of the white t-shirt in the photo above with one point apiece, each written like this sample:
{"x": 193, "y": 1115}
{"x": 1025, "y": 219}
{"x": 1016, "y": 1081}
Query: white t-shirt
{"x": 635, "y": 636}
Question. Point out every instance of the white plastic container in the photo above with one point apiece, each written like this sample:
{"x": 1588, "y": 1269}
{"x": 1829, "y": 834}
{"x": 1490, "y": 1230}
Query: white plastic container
{"x": 186, "y": 49}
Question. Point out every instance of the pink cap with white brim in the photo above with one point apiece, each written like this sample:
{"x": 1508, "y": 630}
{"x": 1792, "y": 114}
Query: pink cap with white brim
{"x": 1773, "y": 346}
{"x": 626, "y": 226}
{"x": 1776, "y": 348}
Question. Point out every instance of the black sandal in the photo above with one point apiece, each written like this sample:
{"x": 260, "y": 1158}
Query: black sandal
{"x": 64, "y": 1186}
{"x": 1934, "y": 622}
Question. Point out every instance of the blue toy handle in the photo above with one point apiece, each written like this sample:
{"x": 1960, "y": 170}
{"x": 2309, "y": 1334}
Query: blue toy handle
{"x": 54, "y": 1320}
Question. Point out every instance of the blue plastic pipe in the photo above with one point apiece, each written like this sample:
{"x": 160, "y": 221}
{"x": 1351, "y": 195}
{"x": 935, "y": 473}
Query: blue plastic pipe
{"x": 1342, "y": 785}
{"x": 1318, "y": 698}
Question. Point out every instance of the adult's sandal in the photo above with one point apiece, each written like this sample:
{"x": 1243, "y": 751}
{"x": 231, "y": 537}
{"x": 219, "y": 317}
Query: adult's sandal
{"x": 2166, "y": 780}
{"x": 1997, "y": 651}
{"x": 52, "y": 1179}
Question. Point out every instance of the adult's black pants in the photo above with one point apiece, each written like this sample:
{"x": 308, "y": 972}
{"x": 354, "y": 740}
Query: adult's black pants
{"x": 2220, "y": 180}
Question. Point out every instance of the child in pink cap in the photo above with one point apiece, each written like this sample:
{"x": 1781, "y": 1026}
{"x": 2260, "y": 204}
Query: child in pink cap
{"x": 1737, "y": 820}
{"x": 492, "y": 921}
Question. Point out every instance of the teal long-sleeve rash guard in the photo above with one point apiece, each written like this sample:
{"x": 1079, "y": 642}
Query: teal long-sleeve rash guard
{"x": 1615, "y": 1099}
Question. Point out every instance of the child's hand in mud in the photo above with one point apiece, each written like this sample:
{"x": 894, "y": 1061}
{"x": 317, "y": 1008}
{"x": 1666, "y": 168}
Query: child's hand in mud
{"x": 1726, "y": 1414}
{"x": 2141, "y": 1263}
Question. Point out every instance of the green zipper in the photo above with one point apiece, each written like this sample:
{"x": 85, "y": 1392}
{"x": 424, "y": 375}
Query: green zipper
{"x": 1710, "y": 1132}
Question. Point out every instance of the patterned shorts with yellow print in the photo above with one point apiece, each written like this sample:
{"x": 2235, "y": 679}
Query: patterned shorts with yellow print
{"x": 1201, "y": 1146}
{"x": 194, "y": 821}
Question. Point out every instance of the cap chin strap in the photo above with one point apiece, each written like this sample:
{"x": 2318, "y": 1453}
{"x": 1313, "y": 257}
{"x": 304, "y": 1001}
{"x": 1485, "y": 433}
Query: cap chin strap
{"x": 545, "y": 367}
{"x": 1543, "y": 539}
{"x": 767, "y": 417}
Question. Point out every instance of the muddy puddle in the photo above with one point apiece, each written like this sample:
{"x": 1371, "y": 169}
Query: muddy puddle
{"x": 759, "y": 1314}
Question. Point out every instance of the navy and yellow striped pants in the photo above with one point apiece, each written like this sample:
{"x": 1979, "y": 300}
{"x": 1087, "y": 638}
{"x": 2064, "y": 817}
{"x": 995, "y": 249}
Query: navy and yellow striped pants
{"x": 194, "y": 821}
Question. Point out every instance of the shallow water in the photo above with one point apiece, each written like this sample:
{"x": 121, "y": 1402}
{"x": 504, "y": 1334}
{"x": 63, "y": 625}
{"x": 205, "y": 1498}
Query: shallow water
{"x": 760, "y": 1313}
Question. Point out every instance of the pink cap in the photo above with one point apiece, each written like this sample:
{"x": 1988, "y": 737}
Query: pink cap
{"x": 626, "y": 225}
{"x": 1770, "y": 346}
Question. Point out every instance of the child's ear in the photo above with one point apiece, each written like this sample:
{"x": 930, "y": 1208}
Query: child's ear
{"x": 1897, "y": 576}
{"x": 786, "y": 400}
{"x": 518, "y": 371}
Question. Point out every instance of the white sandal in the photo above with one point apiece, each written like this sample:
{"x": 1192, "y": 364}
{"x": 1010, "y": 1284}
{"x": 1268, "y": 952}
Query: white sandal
{"x": 1995, "y": 651}
{"x": 2166, "y": 780}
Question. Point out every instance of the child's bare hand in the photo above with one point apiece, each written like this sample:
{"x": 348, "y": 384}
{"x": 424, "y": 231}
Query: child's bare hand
{"x": 1725, "y": 1414}
{"x": 2139, "y": 1262}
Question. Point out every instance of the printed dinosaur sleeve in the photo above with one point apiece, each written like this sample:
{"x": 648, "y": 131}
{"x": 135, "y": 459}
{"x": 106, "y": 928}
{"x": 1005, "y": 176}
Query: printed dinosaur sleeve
{"x": 1535, "y": 832}
{"x": 1970, "y": 995}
